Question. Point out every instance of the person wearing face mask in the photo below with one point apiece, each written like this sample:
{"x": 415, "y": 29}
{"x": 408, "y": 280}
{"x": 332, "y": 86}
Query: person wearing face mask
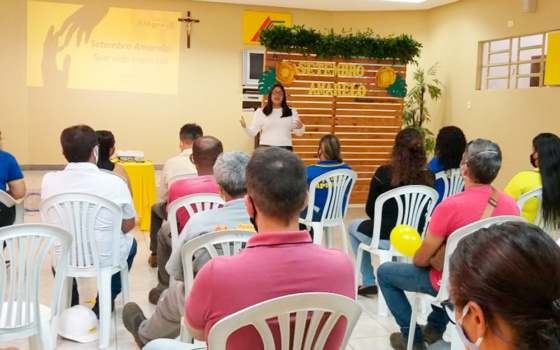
{"x": 81, "y": 175}
{"x": 545, "y": 159}
{"x": 229, "y": 171}
{"x": 481, "y": 162}
{"x": 279, "y": 260}
{"x": 505, "y": 289}
{"x": 275, "y": 121}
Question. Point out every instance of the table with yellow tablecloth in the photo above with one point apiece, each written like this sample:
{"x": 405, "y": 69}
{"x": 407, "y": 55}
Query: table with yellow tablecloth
{"x": 143, "y": 183}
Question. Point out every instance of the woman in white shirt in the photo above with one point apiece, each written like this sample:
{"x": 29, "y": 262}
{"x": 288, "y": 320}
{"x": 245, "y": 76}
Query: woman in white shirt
{"x": 275, "y": 121}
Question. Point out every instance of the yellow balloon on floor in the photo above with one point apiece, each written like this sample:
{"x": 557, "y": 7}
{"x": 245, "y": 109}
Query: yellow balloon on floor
{"x": 406, "y": 240}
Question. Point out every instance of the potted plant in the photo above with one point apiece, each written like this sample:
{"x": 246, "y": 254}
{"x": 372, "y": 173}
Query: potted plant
{"x": 416, "y": 112}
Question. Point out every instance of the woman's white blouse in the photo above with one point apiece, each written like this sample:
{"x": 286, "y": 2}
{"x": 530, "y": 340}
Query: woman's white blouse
{"x": 275, "y": 131}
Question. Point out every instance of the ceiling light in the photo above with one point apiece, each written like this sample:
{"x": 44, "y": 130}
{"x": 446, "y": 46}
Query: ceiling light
{"x": 409, "y": 1}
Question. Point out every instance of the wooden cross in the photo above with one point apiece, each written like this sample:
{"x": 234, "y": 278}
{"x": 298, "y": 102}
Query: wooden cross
{"x": 189, "y": 21}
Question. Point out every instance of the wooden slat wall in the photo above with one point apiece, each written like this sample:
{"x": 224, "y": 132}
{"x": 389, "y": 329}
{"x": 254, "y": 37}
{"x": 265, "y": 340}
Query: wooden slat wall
{"x": 366, "y": 126}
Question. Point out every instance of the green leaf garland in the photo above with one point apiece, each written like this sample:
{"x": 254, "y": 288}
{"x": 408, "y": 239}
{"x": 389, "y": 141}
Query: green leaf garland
{"x": 366, "y": 44}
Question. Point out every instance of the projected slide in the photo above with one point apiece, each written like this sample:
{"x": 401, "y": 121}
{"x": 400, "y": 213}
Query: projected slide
{"x": 97, "y": 47}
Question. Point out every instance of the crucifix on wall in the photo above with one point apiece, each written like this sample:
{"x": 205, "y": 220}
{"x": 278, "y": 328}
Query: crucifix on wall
{"x": 189, "y": 21}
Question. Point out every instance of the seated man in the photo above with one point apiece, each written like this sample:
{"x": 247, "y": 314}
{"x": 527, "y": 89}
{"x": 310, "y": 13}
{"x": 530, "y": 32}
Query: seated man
{"x": 11, "y": 182}
{"x": 480, "y": 165}
{"x": 205, "y": 152}
{"x": 279, "y": 260}
{"x": 79, "y": 145}
{"x": 229, "y": 171}
{"x": 179, "y": 165}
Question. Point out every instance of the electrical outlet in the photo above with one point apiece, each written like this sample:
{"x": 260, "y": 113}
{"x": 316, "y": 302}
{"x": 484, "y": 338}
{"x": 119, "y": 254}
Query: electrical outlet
{"x": 510, "y": 23}
{"x": 469, "y": 105}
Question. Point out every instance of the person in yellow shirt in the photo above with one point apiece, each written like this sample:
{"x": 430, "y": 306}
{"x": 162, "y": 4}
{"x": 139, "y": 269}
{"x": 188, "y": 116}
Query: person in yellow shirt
{"x": 545, "y": 159}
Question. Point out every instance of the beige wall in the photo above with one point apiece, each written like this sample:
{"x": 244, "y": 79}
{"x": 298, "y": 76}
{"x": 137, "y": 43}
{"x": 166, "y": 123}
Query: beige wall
{"x": 210, "y": 80}
{"x": 509, "y": 117}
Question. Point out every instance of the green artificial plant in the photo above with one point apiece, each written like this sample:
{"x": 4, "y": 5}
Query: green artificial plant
{"x": 416, "y": 112}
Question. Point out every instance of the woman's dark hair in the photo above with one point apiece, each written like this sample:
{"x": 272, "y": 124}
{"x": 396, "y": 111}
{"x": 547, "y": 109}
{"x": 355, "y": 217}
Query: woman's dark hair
{"x": 548, "y": 147}
{"x": 408, "y": 160}
{"x": 512, "y": 271}
{"x": 286, "y": 110}
{"x": 330, "y": 145}
{"x": 106, "y": 141}
{"x": 450, "y": 146}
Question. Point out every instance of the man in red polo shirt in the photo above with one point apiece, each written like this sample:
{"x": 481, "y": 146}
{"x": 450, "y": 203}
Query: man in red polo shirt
{"x": 206, "y": 150}
{"x": 280, "y": 260}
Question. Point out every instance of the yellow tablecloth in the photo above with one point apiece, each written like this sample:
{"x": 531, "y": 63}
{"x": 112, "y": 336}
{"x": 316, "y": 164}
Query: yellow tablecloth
{"x": 143, "y": 183}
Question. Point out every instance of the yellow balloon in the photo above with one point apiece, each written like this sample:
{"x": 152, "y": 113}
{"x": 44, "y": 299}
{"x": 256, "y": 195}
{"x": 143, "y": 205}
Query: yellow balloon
{"x": 406, "y": 240}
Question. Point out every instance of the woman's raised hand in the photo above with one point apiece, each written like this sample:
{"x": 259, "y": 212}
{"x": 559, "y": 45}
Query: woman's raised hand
{"x": 242, "y": 121}
{"x": 298, "y": 124}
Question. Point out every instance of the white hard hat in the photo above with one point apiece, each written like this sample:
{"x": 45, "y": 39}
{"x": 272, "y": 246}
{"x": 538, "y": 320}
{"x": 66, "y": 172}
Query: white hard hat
{"x": 78, "y": 323}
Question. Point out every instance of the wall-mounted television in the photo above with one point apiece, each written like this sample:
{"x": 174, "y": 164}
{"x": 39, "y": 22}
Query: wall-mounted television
{"x": 253, "y": 63}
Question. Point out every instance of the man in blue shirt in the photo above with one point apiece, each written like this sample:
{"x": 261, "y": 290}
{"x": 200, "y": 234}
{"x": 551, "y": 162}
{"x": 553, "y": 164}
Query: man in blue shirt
{"x": 11, "y": 182}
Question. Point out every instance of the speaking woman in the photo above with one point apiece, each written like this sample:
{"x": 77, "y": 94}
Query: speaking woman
{"x": 275, "y": 121}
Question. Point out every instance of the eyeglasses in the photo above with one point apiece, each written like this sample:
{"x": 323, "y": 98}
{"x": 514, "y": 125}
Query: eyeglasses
{"x": 277, "y": 92}
{"x": 449, "y": 309}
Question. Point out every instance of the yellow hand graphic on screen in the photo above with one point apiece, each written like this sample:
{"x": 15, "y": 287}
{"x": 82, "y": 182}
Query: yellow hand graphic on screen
{"x": 82, "y": 22}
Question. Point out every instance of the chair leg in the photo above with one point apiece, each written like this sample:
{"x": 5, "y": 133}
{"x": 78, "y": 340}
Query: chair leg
{"x": 412, "y": 327}
{"x": 104, "y": 289}
{"x": 185, "y": 336}
{"x": 382, "y": 309}
{"x": 357, "y": 269}
{"x": 317, "y": 233}
{"x": 47, "y": 340}
{"x": 329, "y": 236}
{"x": 124, "y": 285}
{"x": 344, "y": 236}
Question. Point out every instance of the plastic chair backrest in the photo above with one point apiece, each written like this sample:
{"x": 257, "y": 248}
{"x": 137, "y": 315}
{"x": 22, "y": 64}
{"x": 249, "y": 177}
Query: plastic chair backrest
{"x": 452, "y": 180}
{"x": 230, "y": 243}
{"x": 537, "y": 194}
{"x": 340, "y": 183}
{"x": 178, "y": 177}
{"x": 316, "y": 314}
{"x": 9, "y": 201}
{"x": 26, "y": 248}
{"x": 454, "y": 240}
{"x": 78, "y": 213}
{"x": 412, "y": 201}
{"x": 193, "y": 204}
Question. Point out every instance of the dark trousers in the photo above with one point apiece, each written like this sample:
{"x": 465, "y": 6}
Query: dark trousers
{"x": 7, "y": 215}
{"x": 159, "y": 214}
{"x": 289, "y": 148}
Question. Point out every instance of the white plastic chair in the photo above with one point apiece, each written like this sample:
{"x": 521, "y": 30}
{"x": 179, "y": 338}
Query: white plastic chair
{"x": 309, "y": 309}
{"x": 533, "y": 194}
{"x": 340, "y": 183}
{"x": 78, "y": 214}
{"x": 229, "y": 242}
{"x": 21, "y": 314}
{"x": 452, "y": 242}
{"x": 9, "y": 201}
{"x": 193, "y": 204}
{"x": 452, "y": 180}
{"x": 413, "y": 202}
{"x": 178, "y": 177}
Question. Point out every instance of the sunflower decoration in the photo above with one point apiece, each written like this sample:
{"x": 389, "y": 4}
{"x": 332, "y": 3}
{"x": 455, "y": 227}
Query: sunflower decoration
{"x": 286, "y": 73}
{"x": 386, "y": 77}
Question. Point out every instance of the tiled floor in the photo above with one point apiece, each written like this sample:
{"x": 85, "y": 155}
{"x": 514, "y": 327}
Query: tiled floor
{"x": 372, "y": 331}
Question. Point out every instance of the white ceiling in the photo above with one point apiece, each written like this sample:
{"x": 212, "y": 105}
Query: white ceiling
{"x": 345, "y": 5}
